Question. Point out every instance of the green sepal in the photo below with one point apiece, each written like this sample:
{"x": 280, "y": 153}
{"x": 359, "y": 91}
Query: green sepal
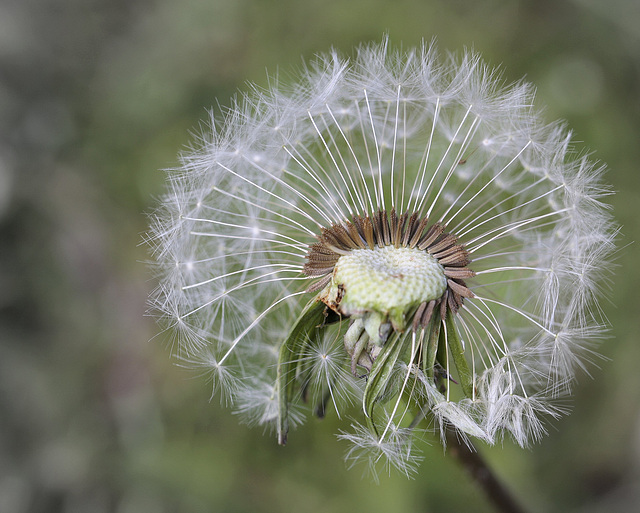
{"x": 433, "y": 336}
{"x": 441, "y": 375}
{"x": 457, "y": 352}
{"x": 381, "y": 373}
{"x": 289, "y": 360}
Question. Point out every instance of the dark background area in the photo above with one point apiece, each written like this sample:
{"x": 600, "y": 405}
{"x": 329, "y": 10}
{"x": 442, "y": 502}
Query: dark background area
{"x": 96, "y": 96}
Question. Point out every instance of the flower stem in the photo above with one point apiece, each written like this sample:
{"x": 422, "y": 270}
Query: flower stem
{"x": 472, "y": 461}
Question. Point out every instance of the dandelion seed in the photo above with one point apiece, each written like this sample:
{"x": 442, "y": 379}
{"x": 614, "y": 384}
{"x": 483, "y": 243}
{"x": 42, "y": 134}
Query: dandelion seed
{"x": 400, "y": 229}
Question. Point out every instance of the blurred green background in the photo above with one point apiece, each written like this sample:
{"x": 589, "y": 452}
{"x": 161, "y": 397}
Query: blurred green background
{"x": 96, "y": 96}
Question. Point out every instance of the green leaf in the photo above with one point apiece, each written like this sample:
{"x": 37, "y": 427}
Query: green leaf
{"x": 311, "y": 318}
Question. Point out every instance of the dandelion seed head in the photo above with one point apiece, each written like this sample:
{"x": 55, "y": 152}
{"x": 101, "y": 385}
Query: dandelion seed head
{"x": 382, "y": 279}
{"x": 399, "y": 230}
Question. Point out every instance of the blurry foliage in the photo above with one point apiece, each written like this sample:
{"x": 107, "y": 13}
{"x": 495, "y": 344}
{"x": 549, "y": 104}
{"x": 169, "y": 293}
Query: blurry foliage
{"x": 95, "y": 97}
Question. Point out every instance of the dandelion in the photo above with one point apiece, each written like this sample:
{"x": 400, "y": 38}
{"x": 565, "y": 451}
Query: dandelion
{"x": 397, "y": 234}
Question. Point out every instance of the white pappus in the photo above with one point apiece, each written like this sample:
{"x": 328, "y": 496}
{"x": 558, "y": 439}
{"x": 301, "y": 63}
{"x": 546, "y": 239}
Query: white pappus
{"x": 398, "y": 233}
